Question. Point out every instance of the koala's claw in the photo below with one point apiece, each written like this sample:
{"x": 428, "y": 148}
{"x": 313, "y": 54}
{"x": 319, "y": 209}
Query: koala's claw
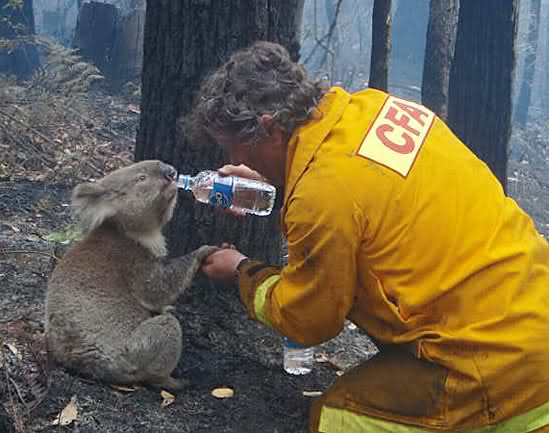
{"x": 204, "y": 251}
{"x": 172, "y": 384}
{"x": 169, "y": 309}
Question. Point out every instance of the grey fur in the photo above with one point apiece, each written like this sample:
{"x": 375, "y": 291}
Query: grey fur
{"x": 109, "y": 301}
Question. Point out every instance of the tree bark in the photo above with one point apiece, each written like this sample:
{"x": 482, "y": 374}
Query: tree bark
{"x": 95, "y": 33}
{"x": 409, "y": 29}
{"x": 523, "y": 103}
{"x": 20, "y": 56}
{"x": 381, "y": 45}
{"x": 481, "y": 79}
{"x": 184, "y": 40}
{"x": 333, "y": 15}
{"x": 545, "y": 101}
{"x": 127, "y": 48}
{"x": 439, "y": 53}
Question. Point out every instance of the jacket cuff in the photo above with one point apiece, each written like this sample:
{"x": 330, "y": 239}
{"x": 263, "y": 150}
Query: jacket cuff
{"x": 251, "y": 274}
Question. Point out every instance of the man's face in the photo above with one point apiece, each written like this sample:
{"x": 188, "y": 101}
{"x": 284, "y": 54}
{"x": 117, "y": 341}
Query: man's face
{"x": 267, "y": 156}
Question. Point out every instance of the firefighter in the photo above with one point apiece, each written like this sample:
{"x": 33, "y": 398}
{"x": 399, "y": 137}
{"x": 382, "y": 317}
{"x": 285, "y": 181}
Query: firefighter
{"x": 394, "y": 224}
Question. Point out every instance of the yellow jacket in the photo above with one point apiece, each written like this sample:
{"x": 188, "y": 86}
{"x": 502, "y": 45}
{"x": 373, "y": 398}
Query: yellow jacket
{"x": 393, "y": 223}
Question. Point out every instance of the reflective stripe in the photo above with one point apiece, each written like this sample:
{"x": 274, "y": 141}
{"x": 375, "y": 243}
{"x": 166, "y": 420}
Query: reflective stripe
{"x": 260, "y": 298}
{"x": 344, "y": 421}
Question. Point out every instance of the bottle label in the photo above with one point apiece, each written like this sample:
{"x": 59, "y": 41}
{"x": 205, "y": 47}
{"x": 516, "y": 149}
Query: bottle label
{"x": 292, "y": 344}
{"x": 222, "y": 192}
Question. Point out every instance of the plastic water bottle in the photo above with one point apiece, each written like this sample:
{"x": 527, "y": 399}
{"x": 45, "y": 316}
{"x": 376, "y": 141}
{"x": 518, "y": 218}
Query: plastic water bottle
{"x": 297, "y": 358}
{"x": 230, "y": 192}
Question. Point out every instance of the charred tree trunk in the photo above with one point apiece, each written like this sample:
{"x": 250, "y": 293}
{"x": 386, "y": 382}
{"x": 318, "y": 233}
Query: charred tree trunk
{"x": 95, "y": 33}
{"x": 333, "y": 45}
{"x": 409, "y": 29}
{"x": 184, "y": 40}
{"x": 439, "y": 53}
{"x": 546, "y": 67}
{"x": 18, "y": 55}
{"x": 481, "y": 79}
{"x": 127, "y": 50}
{"x": 523, "y": 103}
{"x": 381, "y": 45}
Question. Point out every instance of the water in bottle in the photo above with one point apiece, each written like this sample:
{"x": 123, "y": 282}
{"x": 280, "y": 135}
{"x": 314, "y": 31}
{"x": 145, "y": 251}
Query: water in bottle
{"x": 230, "y": 192}
{"x": 298, "y": 359}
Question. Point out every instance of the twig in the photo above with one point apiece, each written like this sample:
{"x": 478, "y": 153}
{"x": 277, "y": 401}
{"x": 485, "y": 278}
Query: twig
{"x": 88, "y": 163}
{"x": 315, "y": 34}
{"x": 37, "y": 152}
{"x": 48, "y": 161}
{"x": 18, "y": 391}
{"x": 349, "y": 81}
{"x": 6, "y": 373}
{"x": 30, "y": 128}
{"x": 87, "y": 119}
{"x": 40, "y": 393}
{"x": 313, "y": 51}
{"x": 52, "y": 256}
{"x": 328, "y": 36}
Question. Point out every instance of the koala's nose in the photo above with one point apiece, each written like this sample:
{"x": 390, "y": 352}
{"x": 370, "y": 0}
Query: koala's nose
{"x": 168, "y": 171}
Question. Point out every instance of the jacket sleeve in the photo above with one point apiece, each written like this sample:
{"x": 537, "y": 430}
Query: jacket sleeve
{"x": 309, "y": 300}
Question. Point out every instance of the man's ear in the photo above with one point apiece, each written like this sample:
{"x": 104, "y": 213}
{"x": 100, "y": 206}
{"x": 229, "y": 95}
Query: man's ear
{"x": 266, "y": 122}
{"x": 271, "y": 127}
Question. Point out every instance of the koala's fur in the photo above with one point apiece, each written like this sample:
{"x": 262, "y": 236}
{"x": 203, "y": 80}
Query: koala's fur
{"x": 108, "y": 302}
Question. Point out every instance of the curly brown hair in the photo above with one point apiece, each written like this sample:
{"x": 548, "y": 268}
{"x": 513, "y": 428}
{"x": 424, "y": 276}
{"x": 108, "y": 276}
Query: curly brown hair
{"x": 257, "y": 80}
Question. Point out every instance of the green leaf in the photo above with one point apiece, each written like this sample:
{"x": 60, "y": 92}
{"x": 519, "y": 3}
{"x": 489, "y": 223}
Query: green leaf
{"x": 66, "y": 235}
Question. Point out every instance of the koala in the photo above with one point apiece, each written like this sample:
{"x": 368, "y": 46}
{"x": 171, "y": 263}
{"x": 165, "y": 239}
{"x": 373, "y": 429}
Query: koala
{"x": 109, "y": 301}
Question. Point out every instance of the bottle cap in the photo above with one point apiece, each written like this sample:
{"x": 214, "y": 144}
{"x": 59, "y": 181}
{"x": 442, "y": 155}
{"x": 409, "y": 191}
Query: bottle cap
{"x": 184, "y": 181}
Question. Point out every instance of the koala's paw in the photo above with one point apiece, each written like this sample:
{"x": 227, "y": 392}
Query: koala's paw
{"x": 204, "y": 251}
{"x": 169, "y": 309}
{"x": 172, "y": 384}
{"x": 192, "y": 261}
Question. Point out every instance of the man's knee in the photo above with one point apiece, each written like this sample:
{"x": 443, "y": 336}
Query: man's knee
{"x": 393, "y": 385}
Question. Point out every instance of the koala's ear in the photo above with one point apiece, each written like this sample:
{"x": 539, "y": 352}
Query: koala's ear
{"x": 88, "y": 190}
{"x": 90, "y": 205}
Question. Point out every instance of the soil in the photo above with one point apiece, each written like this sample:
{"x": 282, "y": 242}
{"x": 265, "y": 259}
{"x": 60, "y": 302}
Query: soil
{"x": 222, "y": 348}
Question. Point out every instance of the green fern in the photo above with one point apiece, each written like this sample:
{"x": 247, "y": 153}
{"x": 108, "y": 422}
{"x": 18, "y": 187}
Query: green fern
{"x": 64, "y": 71}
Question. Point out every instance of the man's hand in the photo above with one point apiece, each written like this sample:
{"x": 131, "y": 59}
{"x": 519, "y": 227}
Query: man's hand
{"x": 241, "y": 171}
{"x": 221, "y": 265}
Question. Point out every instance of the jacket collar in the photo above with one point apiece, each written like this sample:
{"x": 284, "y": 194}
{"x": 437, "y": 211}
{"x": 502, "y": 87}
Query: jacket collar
{"x": 306, "y": 140}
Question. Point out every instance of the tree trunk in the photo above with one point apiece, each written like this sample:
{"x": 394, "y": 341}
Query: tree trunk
{"x": 127, "y": 50}
{"x": 333, "y": 8}
{"x": 481, "y": 79}
{"x": 381, "y": 44}
{"x": 523, "y": 103}
{"x": 184, "y": 40}
{"x": 364, "y": 10}
{"x": 409, "y": 29}
{"x": 95, "y": 33}
{"x": 439, "y": 53}
{"x": 546, "y": 68}
{"x": 18, "y": 55}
